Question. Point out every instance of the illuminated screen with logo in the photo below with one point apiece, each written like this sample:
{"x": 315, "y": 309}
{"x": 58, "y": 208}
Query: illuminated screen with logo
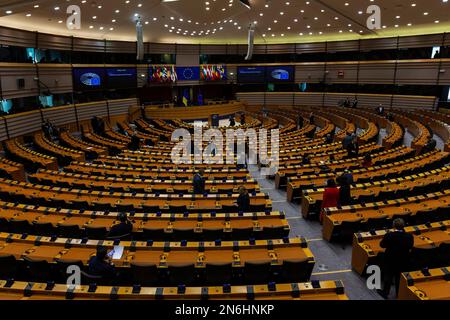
{"x": 88, "y": 78}
{"x": 213, "y": 72}
{"x": 121, "y": 77}
{"x": 188, "y": 73}
{"x": 280, "y": 74}
{"x": 251, "y": 74}
{"x": 163, "y": 74}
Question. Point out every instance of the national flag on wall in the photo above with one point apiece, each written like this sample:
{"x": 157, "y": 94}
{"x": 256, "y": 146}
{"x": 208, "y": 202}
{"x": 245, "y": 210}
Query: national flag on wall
{"x": 186, "y": 97}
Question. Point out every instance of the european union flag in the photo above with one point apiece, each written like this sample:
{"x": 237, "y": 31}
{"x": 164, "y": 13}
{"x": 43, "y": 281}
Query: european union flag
{"x": 188, "y": 73}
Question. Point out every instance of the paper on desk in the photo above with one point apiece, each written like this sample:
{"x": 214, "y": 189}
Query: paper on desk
{"x": 118, "y": 252}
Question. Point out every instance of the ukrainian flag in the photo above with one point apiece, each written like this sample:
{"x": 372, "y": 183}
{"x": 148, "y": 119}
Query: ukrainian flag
{"x": 186, "y": 97}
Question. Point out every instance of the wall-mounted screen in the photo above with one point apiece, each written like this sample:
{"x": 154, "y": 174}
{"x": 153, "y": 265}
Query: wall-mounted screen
{"x": 46, "y": 101}
{"x": 88, "y": 78}
{"x": 120, "y": 78}
{"x": 280, "y": 74}
{"x": 163, "y": 74}
{"x": 188, "y": 73}
{"x": 251, "y": 74}
{"x": 213, "y": 72}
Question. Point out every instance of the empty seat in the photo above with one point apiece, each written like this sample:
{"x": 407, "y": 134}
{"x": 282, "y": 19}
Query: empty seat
{"x": 96, "y": 233}
{"x": 44, "y": 229}
{"x": 124, "y": 207}
{"x": 218, "y": 274}
{"x": 8, "y": 266}
{"x": 183, "y": 234}
{"x": 4, "y": 225}
{"x": 424, "y": 258}
{"x": 213, "y": 234}
{"x": 69, "y": 231}
{"x": 19, "y": 226}
{"x": 144, "y": 274}
{"x": 38, "y": 270}
{"x": 62, "y": 268}
{"x": 182, "y": 274}
{"x": 79, "y": 204}
{"x": 150, "y": 209}
{"x": 348, "y": 228}
{"x": 275, "y": 232}
{"x": 242, "y": 233}
{"x": 178, "y": 208}
{"x": 378, "y": 223}
{"x": 257, "y": 272}
{"x": 101, "y": 206}
{"x": 153, "y": 234}
{"x": 296, "y": 271}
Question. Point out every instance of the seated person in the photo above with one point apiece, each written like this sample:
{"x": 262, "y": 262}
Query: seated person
{"x": 124, "y": 227}
{"x": 100, "y": 265}
{"x": 199, "y": 182}
{"x": 243, "y": 201}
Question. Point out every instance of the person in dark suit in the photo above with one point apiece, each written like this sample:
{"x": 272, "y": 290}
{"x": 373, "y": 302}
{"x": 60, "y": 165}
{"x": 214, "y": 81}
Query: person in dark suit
{"x": 300, "y": 122}
{"x": 134, "y": 143}
{"x": 397, "y": 245}
{"x": 101, "y": 265}
{"x": 243, "y": 201}
{"x": 347, "y": 140}
{"x": 122, "y": 228}
{"x": 328, "y": 139}
{"x": 199, "y": 182}
{"x": 345, "y": 196}
{"x": 232, "y": 121}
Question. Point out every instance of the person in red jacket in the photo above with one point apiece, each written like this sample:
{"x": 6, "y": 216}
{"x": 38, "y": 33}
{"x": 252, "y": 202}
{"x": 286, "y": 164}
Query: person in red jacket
{"x": 330, "y": 197}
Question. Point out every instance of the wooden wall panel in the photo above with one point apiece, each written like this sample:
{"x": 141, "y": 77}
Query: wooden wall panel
{"x": 212, "y": 49}
{"x": 376, "y": 73}
{"x": 251, "y": 98}
{"x": 188, "y": 49}
{"x": 350, "y": 71}
{"x": 16, "y": 37}
{"x": 308, "y": 99}
{"x": 10, "y": 73}
{"x": 57, "y": 77}
{"x": 279, "y": 99}
{"x": 379, "y": 44}
{"x": 161, "y": 48}
{"x": 121, "y": 107}
{"x": 24, "y": 123}
{"x": 340, "y": 46}
{"x": 80, "y": 44}
{"x": 280, "y": 48}
{"x": 417, "y": 73}
{"x": 120, "y": 47}
{"x": 3, "y": 134}
{"x": 89, "y": 110}
{"x": 309, "y": 72}
{"x": 414, "y": 102}
{"x": 50, "y": 41}
{"x": 310, "y": 47}
{"x": 60, "y": 116}
{"x": 374, "y": 100}
{"x": 444, "y": 73}
{"x": 420, "y": 41}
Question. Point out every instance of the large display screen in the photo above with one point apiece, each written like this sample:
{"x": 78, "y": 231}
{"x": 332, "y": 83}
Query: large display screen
{"x": 280, "y": 74}
{"x": 118, "y": 78}
{"x": 251, "y": 74}
{"x": 88, "y": 78}
{"x": 213, "y": 72}
{"x": 188, "y": 73}
{"x": 163, "y": 74}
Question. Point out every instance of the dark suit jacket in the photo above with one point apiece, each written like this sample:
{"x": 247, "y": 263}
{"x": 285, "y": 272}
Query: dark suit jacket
{"x": 243, "y": 202}
{"x": 101, "y": 268}
{"x": 199, "y": 184}
{"x": 398, "y": 245}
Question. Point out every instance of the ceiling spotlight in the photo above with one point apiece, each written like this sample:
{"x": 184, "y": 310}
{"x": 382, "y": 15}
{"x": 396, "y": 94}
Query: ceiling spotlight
{"x": 246, "y": 3}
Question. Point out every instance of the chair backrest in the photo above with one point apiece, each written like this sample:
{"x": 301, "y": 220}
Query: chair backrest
{"x": 19, "y": 226}
{"x": 44, "y": 229}
{"x": 38, "y": 269}
{"x": 296, "y": 270}
{"x": 218, "y": 274}
{"x": 144, "y": 274}
{"x": 69, "y": 231}
{"x": 8, "y": 266}
{"x": 153, "y": 234}
{"x": 97, "y": 233}
{"x": 182, "y": 274}
{"x": 257, "y": 273}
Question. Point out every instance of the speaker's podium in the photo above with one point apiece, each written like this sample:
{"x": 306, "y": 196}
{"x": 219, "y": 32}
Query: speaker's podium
{"x": 214, "y": 120}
